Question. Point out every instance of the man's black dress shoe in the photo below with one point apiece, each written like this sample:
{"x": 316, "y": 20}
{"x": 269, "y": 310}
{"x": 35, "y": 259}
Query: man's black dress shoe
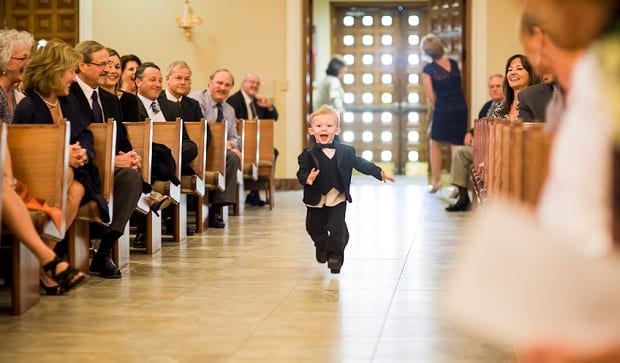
{"x": 216, "y": 221}
{"x": 459, "y": 206}
{"x": 139, "y": 240}
{"x": 334, "y": 265}
{"x": 253, "y": 198}
{"x": 104, "y": 267}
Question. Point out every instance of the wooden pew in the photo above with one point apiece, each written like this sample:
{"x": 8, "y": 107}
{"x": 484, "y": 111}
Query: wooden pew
{"x": 250, "y": 138}
{"x": 215, "y": 174}
{"x": 44, "y": 170}
{"x": 170, "y": 133}
{"x": 249, "y": 133}
{"x": 530, "y": 149}
{"x": 195, "y": 184}
{"x": 104, "y": 137}
{"x": 140, "y": 134}
{"x": 266, "y": 162}
{"x": 510, "y": 160}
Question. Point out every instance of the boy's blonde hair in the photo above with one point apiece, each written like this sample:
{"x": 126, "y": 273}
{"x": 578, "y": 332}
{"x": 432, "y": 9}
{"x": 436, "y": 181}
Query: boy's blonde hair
{"x": 324, "y": 110}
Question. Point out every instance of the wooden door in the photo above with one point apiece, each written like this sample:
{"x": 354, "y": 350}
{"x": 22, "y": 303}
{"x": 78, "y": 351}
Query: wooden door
{"x": 385, "y": 116}
{"x": 44, "y": 19}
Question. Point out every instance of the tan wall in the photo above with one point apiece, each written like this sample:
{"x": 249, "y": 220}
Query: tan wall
{"x": 241, "y": 35}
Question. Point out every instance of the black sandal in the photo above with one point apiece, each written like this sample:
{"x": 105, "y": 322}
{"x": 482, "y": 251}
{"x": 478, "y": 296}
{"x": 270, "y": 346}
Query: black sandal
{"x": 66, "y": 279}
{"x": 51, "y": 290}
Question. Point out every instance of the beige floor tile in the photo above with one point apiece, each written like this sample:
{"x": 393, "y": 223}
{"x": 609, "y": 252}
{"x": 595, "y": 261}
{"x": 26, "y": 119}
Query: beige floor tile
{"x": 252, "y": 293}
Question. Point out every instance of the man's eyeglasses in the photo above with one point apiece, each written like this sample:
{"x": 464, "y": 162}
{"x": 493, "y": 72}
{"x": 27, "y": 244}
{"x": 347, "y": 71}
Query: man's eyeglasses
{"x": 22, "y": 59}
{"x": 100, "y": 65}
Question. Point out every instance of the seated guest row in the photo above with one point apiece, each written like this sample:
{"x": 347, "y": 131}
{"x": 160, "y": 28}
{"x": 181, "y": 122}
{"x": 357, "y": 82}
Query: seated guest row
{"x": 64, "y": 83}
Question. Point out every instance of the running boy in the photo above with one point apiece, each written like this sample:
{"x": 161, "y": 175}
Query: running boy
{"x": 325, "y": 171}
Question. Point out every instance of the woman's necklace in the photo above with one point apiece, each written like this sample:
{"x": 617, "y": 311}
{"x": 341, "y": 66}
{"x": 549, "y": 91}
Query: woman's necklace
{"x": 47, "y": 102}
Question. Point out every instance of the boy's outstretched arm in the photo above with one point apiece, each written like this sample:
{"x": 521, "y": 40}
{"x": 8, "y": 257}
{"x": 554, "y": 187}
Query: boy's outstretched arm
{"x": 385, "y": 176}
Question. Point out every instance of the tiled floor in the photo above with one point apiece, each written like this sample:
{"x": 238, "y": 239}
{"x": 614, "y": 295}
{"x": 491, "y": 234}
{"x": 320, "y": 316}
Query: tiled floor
{"x": 254, "y": 293}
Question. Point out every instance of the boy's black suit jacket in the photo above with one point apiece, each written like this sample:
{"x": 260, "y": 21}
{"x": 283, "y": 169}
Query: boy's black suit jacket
{"x": 346, "y": 161}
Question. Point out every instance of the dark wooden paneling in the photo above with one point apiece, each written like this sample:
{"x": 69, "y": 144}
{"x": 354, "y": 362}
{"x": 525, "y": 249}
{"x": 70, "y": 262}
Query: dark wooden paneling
{"x": 45, "y": 19}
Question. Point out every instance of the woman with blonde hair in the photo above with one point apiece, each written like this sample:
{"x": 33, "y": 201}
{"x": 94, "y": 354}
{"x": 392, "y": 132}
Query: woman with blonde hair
{"x": 46, "y": 81}
{"x": 444, "y": 92}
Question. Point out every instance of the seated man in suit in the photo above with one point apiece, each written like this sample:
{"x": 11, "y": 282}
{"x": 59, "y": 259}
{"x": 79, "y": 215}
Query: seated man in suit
{"x": 249, "y": 106}
{"x": 99, "y": 105}
{"x": 496, "y": 92}
{"x": 149, "y": 86}
{"x": 215, "y": 109}
{"x": 179, "y": 82}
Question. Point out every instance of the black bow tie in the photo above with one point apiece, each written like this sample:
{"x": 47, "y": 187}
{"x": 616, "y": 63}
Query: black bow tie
{"x": 324, "y": 146}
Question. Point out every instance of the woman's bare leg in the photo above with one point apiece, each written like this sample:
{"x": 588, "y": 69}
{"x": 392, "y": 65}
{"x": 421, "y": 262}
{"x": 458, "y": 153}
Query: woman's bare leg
{"x": 435, "y": 154}
{"x": 75, "y": 193}
{"x": 17, "y": 219}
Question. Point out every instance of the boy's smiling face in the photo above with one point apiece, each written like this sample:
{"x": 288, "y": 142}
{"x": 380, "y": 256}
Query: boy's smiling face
{"x": 324, "y": 127}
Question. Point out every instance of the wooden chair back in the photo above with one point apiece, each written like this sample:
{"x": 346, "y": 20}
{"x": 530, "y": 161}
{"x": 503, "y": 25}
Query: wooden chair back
{"x": 266, "y": 162}
{"x": 45, "y": 168}
{"x": 170, "y": 133}
{"x": 215, "y": 176}
{"x": 140, "y": 133}
{"x": 250, "y": 137}
{"x": 197, "y": 132}
{"x": 104, "y": 139}
{"x": 536, "y": 149}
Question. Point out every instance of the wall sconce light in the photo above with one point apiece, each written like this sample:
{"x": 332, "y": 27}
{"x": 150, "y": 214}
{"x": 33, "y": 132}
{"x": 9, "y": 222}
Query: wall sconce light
{"x": 187, "y": 22}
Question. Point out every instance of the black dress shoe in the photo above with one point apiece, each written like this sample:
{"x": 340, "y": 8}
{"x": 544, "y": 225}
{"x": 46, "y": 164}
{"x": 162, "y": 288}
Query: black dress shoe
{"x": 105, "y": 267}
{"x": 253, "y": 198}
{"x": 334, "y": 265}
{"x": 459, "y": 206}
{"x": 216, "y": 221}
{"x": 140, "y": 240}
{"x": 51, "y": 290}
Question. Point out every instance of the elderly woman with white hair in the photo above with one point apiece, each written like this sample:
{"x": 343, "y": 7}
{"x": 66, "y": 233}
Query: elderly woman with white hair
{"x": 14, "y": 55}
